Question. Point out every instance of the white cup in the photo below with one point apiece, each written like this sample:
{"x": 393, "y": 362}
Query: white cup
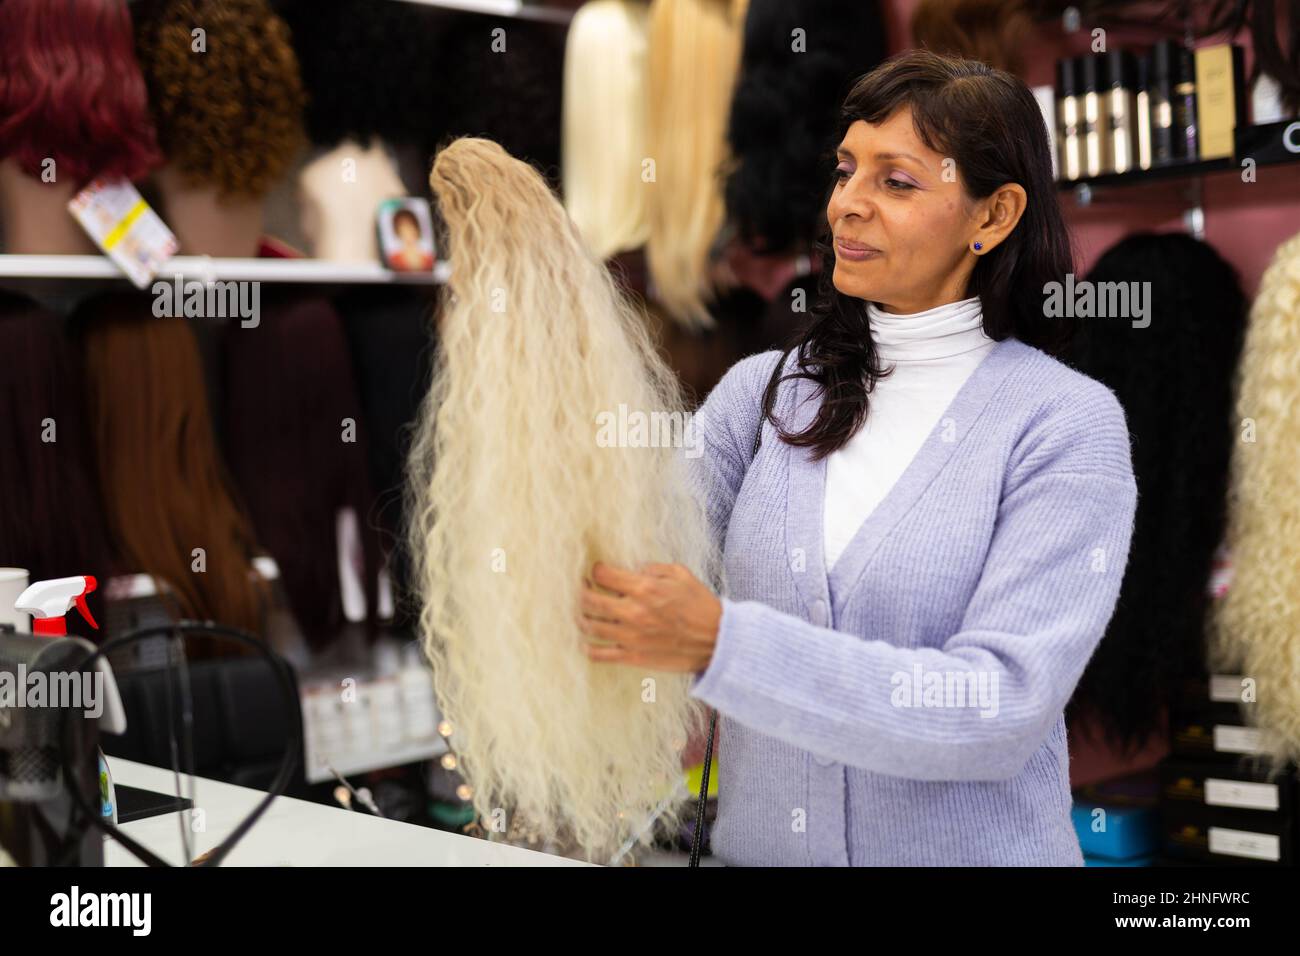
{"x": 13, "y": 582}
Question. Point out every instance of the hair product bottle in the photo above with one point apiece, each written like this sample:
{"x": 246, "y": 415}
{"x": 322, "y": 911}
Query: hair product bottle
{"x": 1067, "y": 119}
{"x": 1161, "y": 94}
{"x": 1096, "y": 126}
{"x": 1118, "y": 83}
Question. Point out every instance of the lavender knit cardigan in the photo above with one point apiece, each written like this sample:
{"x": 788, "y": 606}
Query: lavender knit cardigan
{"x": 907, "y": 708}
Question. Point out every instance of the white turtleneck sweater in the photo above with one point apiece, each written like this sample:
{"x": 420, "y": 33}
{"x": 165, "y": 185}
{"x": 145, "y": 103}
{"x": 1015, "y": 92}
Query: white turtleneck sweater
{"x": 933, "y": 353}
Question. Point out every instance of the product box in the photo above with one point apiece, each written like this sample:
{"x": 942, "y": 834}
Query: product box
{"x": 1220, "y": 98}
{"x": 1208, "y": 719}
{"x": 1241, "y": 787}
{"x": 1117, "y": 821}
{"x": 1214, "y": 812}
{"x": 1219, "y": 835}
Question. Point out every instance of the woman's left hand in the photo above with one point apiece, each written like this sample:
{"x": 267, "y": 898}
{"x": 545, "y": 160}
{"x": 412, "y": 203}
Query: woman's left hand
{"x": 663, "y": 618}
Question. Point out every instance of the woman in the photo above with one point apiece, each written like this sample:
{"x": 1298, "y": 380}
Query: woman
{"x": 926, "y": 545}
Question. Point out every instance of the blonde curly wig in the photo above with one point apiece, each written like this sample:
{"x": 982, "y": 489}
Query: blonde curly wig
{"x": 1257, "y": 623}
{"x": 515, "y": 496}
{"x": 229, "y": 114}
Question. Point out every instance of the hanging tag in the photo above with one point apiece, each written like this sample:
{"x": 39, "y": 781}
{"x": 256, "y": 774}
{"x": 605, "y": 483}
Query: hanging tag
{"x": 122, "y": 224}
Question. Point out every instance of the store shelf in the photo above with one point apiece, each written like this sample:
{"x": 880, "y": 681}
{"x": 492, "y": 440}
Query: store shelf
{"x": 208, "y": 269}
{"x": 1140, "y": 177}
{"x": 501, "y": 8}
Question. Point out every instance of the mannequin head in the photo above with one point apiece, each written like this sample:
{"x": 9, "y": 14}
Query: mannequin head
{"x": 339, "y": 193}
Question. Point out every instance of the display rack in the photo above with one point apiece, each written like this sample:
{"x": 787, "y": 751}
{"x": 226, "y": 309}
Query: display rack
{"x": 1190, "y": 175}
{"x": 210, "y": 269}
{"x": 502, "y": 8}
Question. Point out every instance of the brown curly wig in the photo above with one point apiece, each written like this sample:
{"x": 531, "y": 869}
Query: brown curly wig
{"x": 230, "y": 115}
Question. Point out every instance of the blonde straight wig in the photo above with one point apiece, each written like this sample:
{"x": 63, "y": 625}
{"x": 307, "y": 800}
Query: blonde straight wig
{"x": 1257, "y": 624}
{"x": 694, "y": 58}
{"x": 604, "y": 125}
{"x": 517, "y": 490}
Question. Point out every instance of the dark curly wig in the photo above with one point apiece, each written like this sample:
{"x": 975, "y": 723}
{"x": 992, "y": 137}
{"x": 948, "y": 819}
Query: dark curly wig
{"x": 1175, "y": 381}
{"x": 369, "y": 68}
{"x": 512, "y": 97}
{"x": 783, "y": 112}
{"x": 229, "y": 115}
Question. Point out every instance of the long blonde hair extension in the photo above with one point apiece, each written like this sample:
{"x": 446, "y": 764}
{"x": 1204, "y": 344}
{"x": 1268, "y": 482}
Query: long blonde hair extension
{"x": 1257, "y": 623}
{"x": 515, "y": 496}
{"x": 694, "y": 57}
{"x": 604, "y": 132}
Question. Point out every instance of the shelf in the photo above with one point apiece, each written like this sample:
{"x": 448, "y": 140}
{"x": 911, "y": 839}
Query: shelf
{"x": 208, "y": 269}
{"x": 502, "y": 8}
{"x": 1140, "y": 177}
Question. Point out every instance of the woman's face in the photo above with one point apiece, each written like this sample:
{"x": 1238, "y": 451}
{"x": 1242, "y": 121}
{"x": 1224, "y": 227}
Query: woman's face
{"x": 902, "y": 225}
{"x": 408, "y": 232}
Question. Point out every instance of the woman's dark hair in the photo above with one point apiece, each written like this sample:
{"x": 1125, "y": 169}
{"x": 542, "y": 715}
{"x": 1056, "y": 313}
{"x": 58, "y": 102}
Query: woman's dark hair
{"x": 405, "y": 215}
{"x": 990, "y": 123}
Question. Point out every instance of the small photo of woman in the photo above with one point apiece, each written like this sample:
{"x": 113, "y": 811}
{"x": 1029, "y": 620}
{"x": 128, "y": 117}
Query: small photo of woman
{"x": 406, "y": 235}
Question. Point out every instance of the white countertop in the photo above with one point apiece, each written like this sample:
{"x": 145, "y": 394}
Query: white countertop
{"x": 298, "y": 832}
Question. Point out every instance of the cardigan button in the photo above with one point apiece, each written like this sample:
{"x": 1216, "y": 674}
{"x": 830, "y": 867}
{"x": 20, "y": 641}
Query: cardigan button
{"x": 818, "y": 612}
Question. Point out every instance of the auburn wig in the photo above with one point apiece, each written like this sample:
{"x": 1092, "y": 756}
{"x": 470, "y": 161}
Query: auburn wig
{"x": 1174, "y": 378}
{"x": 71, "y": 91}
{"x": 296, "y": 443}
{"x": 165, "y": 488}
{"x": 1257, "y": 623}
{"x": 604, "y": 125}
{"x": 228, "y": 115}
{"x": 50, "y": 517}
{"x": 994, "y": 32}
{"x": 783, "y": 114}
{"x": 694, "y": 55}
{"x": 515, "y": 496}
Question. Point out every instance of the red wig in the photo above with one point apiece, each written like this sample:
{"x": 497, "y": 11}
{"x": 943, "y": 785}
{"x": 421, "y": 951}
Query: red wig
{"x": 71, "y": 90}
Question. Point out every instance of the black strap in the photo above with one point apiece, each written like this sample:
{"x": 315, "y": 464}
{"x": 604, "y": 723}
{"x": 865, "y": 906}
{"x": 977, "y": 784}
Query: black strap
{"x": 697, "y": 837}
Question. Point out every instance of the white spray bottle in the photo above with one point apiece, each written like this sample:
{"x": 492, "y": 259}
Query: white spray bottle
{"x": 48, "y": 602}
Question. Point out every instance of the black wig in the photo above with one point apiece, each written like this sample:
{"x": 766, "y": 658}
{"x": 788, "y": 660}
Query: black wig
{"x": 296, "y": 442}
{"x": 365, "y": 67}
{"x": 51, "y": 521}
{"x": 503, "y": 80}
{"x": 783, "y": 112}
{"x": 1174, "y": 378}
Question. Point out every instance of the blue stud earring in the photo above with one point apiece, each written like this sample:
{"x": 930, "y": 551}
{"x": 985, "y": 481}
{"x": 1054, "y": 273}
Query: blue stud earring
{"x": 979, "y": 246}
